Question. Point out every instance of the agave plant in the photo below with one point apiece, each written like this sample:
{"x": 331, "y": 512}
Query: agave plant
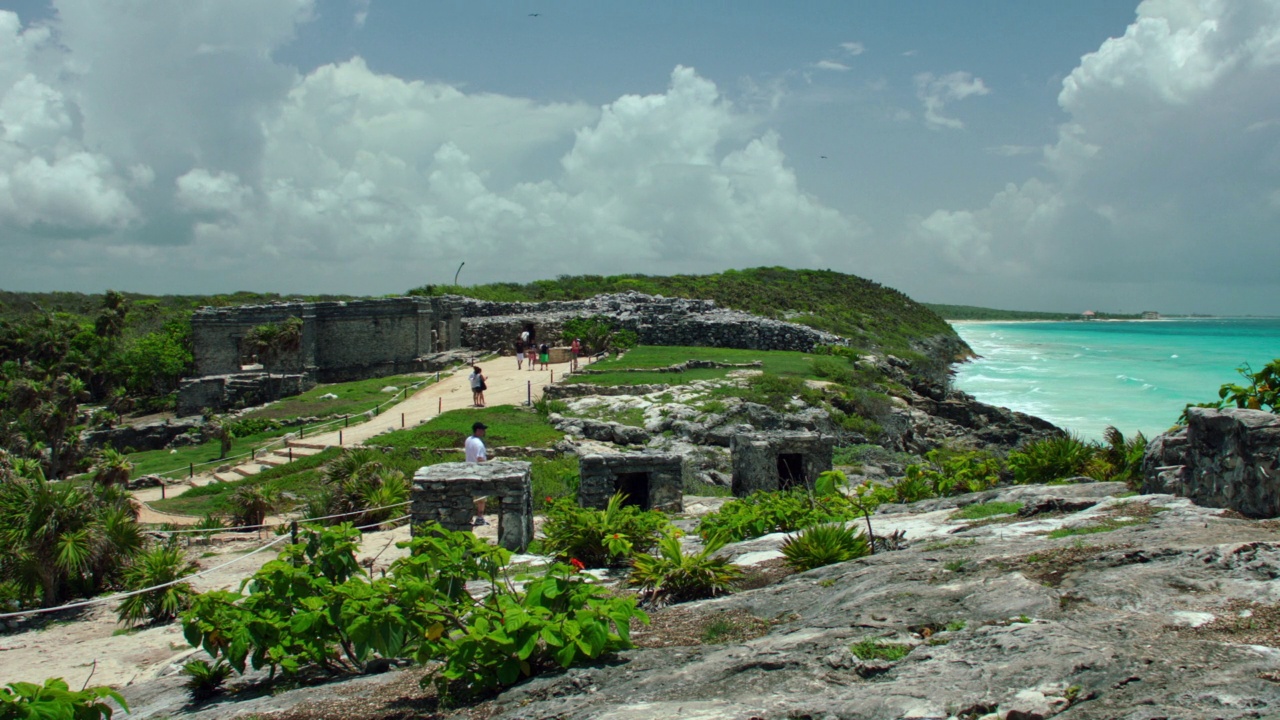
{"x": 159, "y": 566}
{"x": 356, "y": 482}
{"x": 822, "y": 545}
{"x": 204, "y": 680}
{"x": 670, "y": 575}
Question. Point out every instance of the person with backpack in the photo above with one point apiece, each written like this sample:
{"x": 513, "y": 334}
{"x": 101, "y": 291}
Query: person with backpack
{"x": 544, "y": 355}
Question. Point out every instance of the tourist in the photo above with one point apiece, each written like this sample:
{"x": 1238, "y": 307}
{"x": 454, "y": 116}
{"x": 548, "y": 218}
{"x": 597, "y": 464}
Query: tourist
{"x": 544, "y": 355}
{"x": 531, "y": 354}
{"x": 477, "y": 386}
{"x": 476, "y": 453}
{"x": 575, "y": 350}
{"x": 519, "y": 354}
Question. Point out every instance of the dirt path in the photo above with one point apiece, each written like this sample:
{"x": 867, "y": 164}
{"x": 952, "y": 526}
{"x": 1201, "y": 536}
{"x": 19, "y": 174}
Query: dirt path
{"x": 507, "y": 385}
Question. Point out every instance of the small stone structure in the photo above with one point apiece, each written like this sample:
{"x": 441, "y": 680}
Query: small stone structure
{"x": 651, "y": 481}
{"x": 778, "y": 460}
{"x": 1222, "y": 458}
{"x": 444, "y": 493}
{"x": 238, "y": 390}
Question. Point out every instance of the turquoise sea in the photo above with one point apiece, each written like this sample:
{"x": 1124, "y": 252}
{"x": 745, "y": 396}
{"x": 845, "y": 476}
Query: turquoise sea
{"x": 1135, "y": 375}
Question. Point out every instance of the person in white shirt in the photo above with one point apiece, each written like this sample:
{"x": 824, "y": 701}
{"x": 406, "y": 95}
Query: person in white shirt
{"x": 476, "y": 453}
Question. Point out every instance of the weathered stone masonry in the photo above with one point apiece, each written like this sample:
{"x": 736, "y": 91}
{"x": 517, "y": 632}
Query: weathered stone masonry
{"x": 360, "y": 339}
{"x": 340, "y": 341}
{"x": 651, "y": 481}
{"x": 778, "y": 460}
{"x": 443, "y": 493}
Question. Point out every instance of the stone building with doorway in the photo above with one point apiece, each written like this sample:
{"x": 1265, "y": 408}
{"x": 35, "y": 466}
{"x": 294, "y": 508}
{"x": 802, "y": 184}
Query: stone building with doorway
{"x": 778, "y": 460}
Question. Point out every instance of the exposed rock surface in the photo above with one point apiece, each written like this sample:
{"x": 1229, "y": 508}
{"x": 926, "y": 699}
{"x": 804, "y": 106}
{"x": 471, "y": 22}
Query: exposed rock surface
{"x": 1221, "y": 458}
{"x": 154, "y": 435}
{"x": 1001, "y": 621}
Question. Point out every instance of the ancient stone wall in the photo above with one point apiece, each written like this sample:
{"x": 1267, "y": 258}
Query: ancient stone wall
{"x": 237, "y": 390}
{"x": 444, "y": 493}
{"x": 777, "y": 460}
{"x": 1222, "y": 458}
{"x": 652, "y": 481}
{"x": 655, "y": 320}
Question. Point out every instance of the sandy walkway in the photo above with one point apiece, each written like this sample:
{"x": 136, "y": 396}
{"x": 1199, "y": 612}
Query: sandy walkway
{"x": 506, "y": 386}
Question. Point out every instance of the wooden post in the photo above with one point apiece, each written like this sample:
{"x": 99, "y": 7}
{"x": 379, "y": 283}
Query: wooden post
{"x": 290, "y": 453}
{"x": 346, "y": 421}
{"x": 191, "y": 470}
{"x": 402, "y": 420}
{"x": 440, "y": 406}
{"x": 529, "y": 393}
{"x": 161, "y": 490}
{"x": 339, "y": 438}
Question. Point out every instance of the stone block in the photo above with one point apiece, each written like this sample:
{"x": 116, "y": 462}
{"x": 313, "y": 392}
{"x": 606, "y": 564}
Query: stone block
{"x": 778, "y": 460}
{"x": 444, "y": 493}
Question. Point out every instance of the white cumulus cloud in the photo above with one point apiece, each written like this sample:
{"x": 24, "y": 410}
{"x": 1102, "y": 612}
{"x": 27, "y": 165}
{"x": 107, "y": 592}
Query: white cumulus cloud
{"x": 936, "y": 92}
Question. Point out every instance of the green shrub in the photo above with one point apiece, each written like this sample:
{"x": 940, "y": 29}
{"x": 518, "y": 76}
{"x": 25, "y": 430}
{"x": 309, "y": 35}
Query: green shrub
{"x": 55, "y": 700}
{"x": 1262, "y": 391}
{"x": 672, "y": 576}
{"x": 1120, "y": 459}
{"x": 822, "y": 545}
{"x": 762, "y": 513}
{"x": 553, "y": 479}
{"x": 314, "y": 606}
{"x": 601, "y": 538}
{"x": 204, "y": 680}
{"x": 159, "y": 566}
{"x": 1051, "y": 459}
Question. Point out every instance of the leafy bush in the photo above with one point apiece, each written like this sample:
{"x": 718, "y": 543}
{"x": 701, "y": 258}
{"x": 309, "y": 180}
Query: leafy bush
{"x": 204, "y": 680}
{"x": 948, "y": 473}
{"x": 244, "y": 427}
{"x": 253, "y": 503}
{"x": 553, "y": 478}
{"x": 1262, "y": 391}
{"x": 822, "y": 545}
{"x": 158, "y": 566}
{"x": 598, "y": 334}
{"x": 1051, "y": 459}
{"x": 358, "y": 483}
{"x": 601, "y": 538}
{"x": 315, "y": 606}
{"x": 55, "y": 700}
{"x": 671, "y": 575}
{"x": 762, "y": 513}
{"x": 1120, "y": 459}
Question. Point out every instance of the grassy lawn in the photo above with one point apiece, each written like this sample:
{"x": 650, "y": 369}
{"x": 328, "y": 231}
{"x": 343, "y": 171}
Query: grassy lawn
{"x": 353, "y": 398}
{"x": 508, "y": 425}
{"x": 163, "y": 461}
{"x": 775, "y": 362}
{"x": 298, "y": 480}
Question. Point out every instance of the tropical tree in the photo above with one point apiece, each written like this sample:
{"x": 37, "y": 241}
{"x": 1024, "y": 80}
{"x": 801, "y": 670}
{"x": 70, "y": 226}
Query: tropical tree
{"x": 253, "y": 503}
{"x": 216, "y": 427}
{"x": 61, "y": 540}
{"x": 112, "y": 468}
{"x": 357, "y": 483}
{"x": 159, "y": 566}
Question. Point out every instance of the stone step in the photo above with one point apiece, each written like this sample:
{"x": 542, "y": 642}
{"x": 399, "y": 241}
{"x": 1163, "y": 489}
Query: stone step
{"x": 304, "y": 444}
{"x": 272, "y": 460}
{"x": 226, "y": 477}
{"x": 248, "y": 470}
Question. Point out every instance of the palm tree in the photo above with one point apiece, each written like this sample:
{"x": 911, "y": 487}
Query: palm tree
{"x": 60, "y": 539}
{"x": 158, "y": 566}
{"x": 217, "y": 428}
{"x": 112, "y": 468}
{"x": 253, "y": 503}
{"x": 357, "y": 480}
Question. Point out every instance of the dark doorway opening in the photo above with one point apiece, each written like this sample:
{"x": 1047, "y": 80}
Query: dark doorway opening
{"x": 790, "y": 470}
{"x": 533, "y": 332}
{"x": 635, "y": 486}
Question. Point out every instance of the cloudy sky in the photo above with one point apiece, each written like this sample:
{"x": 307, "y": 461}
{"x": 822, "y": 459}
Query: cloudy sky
{"x": 1095, "y": 153}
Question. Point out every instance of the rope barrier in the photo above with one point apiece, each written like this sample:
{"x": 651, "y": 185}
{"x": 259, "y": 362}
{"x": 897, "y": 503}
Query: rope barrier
{"x": 185, "y": 578}
{"x": 284, "y": 439}
{"x": 264, "y": 526}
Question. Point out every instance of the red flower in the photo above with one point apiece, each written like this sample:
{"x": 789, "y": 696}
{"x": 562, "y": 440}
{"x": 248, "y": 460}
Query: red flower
{"x": 577, "y": 564}
{"x": 549, "y": 499}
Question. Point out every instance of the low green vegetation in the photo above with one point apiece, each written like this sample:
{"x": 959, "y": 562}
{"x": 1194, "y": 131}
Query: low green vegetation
{"x": 871, "y": 315}
{"x": 315, "y": 608}
{"x": 601, "y": 538}
{"x": 970, "y": 312}
{"x": 508, "y": 425}
{"x": 870, "y": 649}
{"x": 354, "y": 398}
{"x": 163, "y": 565}
{"x": 671, "y": 575}
{"x": 633, "y": 367}
{"x": 761, "y": 513}
{"x": 981, "y": 511}
{"x": 826, "y": 544}
{"x": 55, "y": 699}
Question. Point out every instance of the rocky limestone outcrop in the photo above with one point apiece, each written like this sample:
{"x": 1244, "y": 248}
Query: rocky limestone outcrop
{"x": 155, "y": 435}
{"x": 924, "y": 423}
{"x": 995, "y": 621}
{"x": 1221, "y": 458}
{"x": 656, "y": 320}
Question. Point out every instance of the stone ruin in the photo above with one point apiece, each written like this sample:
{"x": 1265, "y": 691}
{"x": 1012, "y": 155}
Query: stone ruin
{"x": 651, "y": 481}
{"x": 778, "y": 460}
{"x": 444, "y": 493}
{"x": 1222, "y": 459}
